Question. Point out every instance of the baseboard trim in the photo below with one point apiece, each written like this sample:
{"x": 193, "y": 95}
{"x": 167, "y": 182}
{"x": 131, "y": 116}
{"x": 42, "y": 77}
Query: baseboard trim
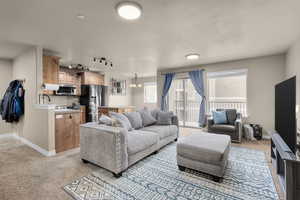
{"x": 36, "y": 147}
{"x": 30, "y": 144}
{"x": 7, "y": 135}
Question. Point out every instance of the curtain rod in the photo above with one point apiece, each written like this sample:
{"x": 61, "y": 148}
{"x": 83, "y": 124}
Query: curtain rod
{"x": 180, "y": 72}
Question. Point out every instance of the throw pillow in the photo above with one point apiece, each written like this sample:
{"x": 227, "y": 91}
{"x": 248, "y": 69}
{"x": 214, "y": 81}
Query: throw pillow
{"x": 219, "y": 117}
{"x": 122, "y": 119}
{"x": 104, "y": 119}
{"x": 147, "y": 118}
{"x": 135, "y": 119}
{"x": 231, "y": 116}
{"x": 164, "y": 118}
{"x": 154, "y": 112}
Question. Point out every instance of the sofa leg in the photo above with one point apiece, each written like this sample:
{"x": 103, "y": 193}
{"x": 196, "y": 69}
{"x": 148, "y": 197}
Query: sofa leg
{"x": 217, "y": 179}
{"x": 117, "y": 175}
{"x": 155, "y": 152}
{"x": 181, "y": 168}
{"x": 84, "y": 161}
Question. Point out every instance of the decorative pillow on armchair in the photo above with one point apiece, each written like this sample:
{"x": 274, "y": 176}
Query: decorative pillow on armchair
{"x": 220, "y": 117}
{"x": 164, "y": 118}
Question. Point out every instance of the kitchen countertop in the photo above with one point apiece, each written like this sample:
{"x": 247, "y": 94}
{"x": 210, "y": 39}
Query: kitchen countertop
{"x": 65, "y": 111}
{"x": 116, "y": 106}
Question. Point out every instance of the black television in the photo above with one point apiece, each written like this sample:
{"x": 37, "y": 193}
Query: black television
{"x": 285, "y": 112}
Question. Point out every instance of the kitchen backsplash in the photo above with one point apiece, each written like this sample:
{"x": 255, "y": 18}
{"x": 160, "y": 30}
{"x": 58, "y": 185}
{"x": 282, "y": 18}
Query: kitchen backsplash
{"x": 62, "y": 100}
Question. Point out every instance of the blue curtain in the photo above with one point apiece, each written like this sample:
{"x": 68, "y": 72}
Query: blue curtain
{"x": 168, "y": 81}
{"x": 198, "y": 82}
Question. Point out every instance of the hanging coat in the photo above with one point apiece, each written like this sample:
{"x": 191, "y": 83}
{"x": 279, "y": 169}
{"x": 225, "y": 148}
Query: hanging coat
{"x": 12, "y": 104}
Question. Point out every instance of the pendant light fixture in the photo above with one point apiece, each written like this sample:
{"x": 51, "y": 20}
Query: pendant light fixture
{"x": 135, "y": 83}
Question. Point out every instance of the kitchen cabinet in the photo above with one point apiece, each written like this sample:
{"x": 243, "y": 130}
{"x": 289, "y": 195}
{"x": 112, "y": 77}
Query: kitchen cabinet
{"x": 50, "y": 69}
{"x": 92, "y": 78}
{"x": 67, "y": 131}
{"x": 70, "y": 76}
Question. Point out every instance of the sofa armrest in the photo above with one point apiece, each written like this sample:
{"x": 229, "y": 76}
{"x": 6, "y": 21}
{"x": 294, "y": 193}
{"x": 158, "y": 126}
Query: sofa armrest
{"x": 238, "y": 127}
{"x": 105, "y": 146}
{"x": 210, "y": 122}
{"x": 175, "y": 120}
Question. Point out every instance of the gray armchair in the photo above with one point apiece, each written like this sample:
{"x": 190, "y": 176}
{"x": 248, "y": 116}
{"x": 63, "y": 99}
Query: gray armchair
{"x": 233, "y": 128}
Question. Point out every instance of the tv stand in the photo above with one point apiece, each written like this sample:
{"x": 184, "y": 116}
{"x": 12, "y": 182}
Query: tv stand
{"x": 287, "y": 167}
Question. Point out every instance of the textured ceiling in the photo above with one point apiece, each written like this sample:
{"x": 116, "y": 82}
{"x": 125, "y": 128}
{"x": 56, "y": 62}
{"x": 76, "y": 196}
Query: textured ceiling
{"x": 168, "y": 30}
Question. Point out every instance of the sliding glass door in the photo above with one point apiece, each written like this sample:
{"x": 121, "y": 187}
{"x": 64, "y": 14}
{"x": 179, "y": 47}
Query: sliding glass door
{"x": 184, "y": 101}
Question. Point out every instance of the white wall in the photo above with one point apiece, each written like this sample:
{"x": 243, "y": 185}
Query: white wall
{"x": 5, "y": 78}
{"x": 263, "y": 74}
{"x": 33, "y": 126}
{"x": 293, "y": 69}
{"x": 118, "y": 100}
{"x": 229, "y": 87}
{"x": 138, "y": 94}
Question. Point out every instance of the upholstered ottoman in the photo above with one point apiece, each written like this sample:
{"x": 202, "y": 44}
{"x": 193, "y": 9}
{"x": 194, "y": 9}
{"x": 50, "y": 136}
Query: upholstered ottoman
{"x": 205, "y": 152}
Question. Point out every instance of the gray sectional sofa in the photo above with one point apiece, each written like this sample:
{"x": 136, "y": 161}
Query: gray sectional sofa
{"x": 116, "y": 148}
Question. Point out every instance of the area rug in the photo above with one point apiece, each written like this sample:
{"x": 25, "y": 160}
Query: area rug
{"x": 157, "y": 177}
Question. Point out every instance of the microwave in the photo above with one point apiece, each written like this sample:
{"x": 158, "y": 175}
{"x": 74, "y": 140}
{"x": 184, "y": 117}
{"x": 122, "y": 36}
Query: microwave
{"x": 66, "y": 90}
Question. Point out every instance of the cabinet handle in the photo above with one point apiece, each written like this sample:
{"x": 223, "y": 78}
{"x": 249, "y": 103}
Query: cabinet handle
{"x": 70, "y": 116}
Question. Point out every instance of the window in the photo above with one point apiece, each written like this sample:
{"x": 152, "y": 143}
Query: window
{"x": 228, "y": 89}
{"x": 150, "y": 94}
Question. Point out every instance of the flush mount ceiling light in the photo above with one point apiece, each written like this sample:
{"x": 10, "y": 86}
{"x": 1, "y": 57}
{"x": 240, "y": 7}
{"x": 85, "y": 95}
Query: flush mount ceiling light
{"x": 192, "y": 56}
{"x": 129, "y": 10}
{"x": 81, "y": 17}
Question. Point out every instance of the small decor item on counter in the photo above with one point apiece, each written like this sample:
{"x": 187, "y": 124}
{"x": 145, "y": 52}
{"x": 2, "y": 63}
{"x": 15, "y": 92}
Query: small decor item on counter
{"x": 12, "y": 104}
{"x": 118, "y": 87}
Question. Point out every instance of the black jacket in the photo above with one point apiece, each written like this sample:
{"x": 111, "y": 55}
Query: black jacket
{"x": 12, "y": 104}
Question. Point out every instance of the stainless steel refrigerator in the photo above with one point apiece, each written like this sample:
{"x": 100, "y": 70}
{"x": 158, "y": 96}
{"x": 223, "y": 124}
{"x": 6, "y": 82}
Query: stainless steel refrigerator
{"x": 93, "y": 96}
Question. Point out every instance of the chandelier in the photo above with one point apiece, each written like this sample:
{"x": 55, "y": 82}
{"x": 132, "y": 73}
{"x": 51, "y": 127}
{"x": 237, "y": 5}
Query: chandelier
{"x": 135, "y": 83}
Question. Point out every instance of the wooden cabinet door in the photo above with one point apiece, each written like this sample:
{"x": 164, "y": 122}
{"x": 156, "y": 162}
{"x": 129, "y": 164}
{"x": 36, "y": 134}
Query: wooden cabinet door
{"x": 92, "y": 78}
{"x": 62, "y": 77}
{"x": 76, "y": 129}
{"x": 63, "y": 133}
{"x": 50, "y": 69}
{"x": 67, "y": 131}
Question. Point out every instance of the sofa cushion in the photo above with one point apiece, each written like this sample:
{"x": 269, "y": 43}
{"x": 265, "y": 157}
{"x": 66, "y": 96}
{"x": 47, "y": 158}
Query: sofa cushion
{"x": 140, "y": 140}
{"x": 223, "y": 128}
{"x": 204, "y": 147}
{"x": 147, "y": 118}
{"x": 162, "y": 130}
{"x": 135, "y": 119}
{"x": 122, "y": 120}
{"x": 164, "y": 118}
{"x": 154, "y": 112}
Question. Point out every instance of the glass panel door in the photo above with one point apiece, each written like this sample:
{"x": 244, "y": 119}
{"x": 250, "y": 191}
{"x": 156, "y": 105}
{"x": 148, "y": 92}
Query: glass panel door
{"x": 184, "y": 101}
